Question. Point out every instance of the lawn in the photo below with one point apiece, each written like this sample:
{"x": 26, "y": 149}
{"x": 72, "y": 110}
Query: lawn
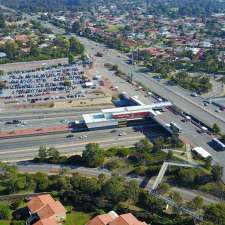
{"x": 113, "y": 28}
{"x": 77, "y": 218}
{"x": 4, "y": 222}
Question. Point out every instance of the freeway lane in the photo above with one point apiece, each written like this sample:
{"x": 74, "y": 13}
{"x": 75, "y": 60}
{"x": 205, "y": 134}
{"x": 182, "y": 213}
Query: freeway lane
{"x": 27, "y": 147}
{"x": 46, "y": 113}
{"x": 42, "y": 119}
{"x": 39, "y": 123}
{"x": 185, "y": 103}
{"x": 27, "y": 154}
{"x": 188, "y": 104}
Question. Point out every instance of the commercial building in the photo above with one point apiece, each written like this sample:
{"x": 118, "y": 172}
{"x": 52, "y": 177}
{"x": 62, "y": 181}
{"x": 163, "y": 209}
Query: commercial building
{"x": 119, "y": 116}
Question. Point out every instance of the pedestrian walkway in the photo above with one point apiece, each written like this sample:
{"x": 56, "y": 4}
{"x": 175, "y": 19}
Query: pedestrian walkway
{"x": 164, "y": 168}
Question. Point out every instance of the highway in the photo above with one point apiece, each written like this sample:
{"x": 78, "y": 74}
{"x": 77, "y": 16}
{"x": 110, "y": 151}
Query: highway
{"x": 177, "y": 96}
{"x": 25, "y": 148}
{"x": 43, "y": 118}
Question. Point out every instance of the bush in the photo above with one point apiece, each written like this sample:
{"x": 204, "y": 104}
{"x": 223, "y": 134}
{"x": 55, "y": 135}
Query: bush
{"x": 5, "y": 211}
{"x": 18, "y": 222}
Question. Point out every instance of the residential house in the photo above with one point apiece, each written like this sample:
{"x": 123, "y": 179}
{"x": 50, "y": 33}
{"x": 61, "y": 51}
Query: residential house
{"x": 44, "y": 210}
{"x": 112, "y": 218}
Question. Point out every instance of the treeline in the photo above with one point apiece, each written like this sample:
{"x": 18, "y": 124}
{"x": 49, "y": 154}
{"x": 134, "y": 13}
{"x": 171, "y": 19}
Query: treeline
{"x": 44, "y": 5}
{"x": 98, "y": 195}
{"x": 144, "y": 159}
{"x": 60, "y": 47}
{"x": 177, "y": 8}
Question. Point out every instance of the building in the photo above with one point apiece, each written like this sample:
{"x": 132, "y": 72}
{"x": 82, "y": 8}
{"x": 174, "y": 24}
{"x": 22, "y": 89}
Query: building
{"x": 116, "y": 116}
{"x": 112, "y": 218}
{"x": 44, "y": 210}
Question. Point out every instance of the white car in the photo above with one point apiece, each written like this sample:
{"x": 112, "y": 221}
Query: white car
{"x": 194, "y": 94}
{"x": 123, "y": 134}
{"x": 83, "y": 137}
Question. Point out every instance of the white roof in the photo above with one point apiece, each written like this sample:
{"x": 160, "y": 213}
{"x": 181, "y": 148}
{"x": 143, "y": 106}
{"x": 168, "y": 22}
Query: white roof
{"x": 96, "y": 118}
{"x": 136, "y": 108}
{"x": 202, "y": 152}
{"x": 89, "y": 83}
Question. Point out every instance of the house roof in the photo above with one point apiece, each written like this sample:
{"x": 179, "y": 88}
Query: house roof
{"x": 46, "y": 221}
{"x": 112, "y": 218}
{"x": 127, "y": 219}
{"x": 22, "y": 38}
{"x": 45, "y": 205}
{"x": 101, "y": 219}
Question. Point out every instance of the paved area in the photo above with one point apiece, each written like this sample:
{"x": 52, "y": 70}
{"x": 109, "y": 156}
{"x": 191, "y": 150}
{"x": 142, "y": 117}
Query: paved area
{"x": 21, "y": 66}
{"x": 178, "y": 96}
{"x": 23, "y": 148}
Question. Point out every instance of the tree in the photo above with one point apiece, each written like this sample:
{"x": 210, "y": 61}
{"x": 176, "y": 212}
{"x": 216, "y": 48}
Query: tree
{"x": 18, "y": 222}
{"x": 188, "y": 176}
{"x": 42, "y": 181}
{"x": 11, "y": 49}
{"x": 208, "y": 163}
{"x": 42, "y": 153}
{"x": 217, "y": 172}
{"x": 196, "y": 203}
{"x": 115, "y": 67}
{"x": 175, "y": 141}
{"x": 144, "y": 145}
{"x": 70, "y": 58}
{"x": 114, "y": 190}
{"x": 176, "y": 197}
{"x": 215, "y": 213}
{"x": 158, "y": 144}
{"x": 93, "y": 155}
{"x": 216, "y": 128}
{"x": 133, "y": 190}
{"x": 150, "y": 203}
{"x": 76, "y": 27}
{"x": 2, "y": 22}
{"x": 76, "y": 47}
{"x": 5, "y": 211}
{"x": 169, "y": 155}
{"x": 53, "y": 153}
{"x": 67, "y": 83}
{"x": 164, "y": 188}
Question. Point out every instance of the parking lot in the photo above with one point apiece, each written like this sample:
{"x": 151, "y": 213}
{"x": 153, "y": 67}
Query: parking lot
{"x": 52, "y": 84}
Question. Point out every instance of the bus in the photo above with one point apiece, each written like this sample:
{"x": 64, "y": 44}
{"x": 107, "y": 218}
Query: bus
{"x": 174, "y": 127}
{"x": 218, "y": 144}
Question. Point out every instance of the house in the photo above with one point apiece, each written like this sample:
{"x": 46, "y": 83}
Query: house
{"x": 22, "y": 38}
{"x": 112, "y": 218}
{"x": 44, "y": 210}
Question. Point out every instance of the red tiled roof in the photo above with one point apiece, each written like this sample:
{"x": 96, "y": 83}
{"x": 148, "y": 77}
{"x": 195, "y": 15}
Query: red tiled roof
{"x": 101, "y": 220}
{"x": 109, "y": 219}
{"x": 45, "y": 205}
{"x": 126, "y": 219}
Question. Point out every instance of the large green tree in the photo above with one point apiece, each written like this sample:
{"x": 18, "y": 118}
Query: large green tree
{"x": 215, "y": 213}
{"x": 93, "y": 155}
